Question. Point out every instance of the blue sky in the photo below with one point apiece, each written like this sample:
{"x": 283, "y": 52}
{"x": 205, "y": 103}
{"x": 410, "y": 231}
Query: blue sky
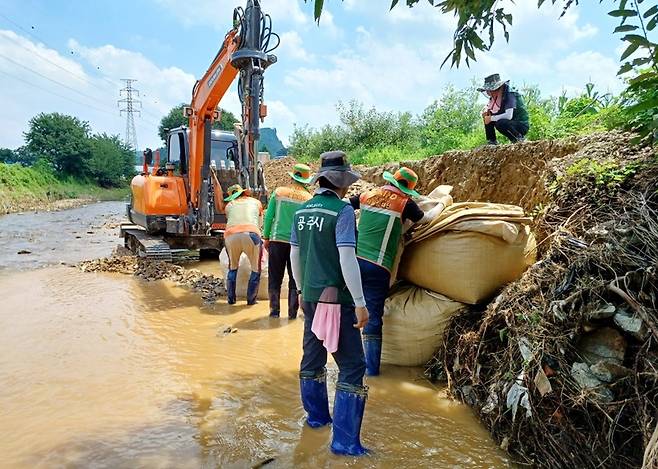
{"x": 359, "y": 51}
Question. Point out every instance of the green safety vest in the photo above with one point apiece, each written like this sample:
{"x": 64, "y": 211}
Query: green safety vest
{"x": 315, "y": 225}
{"x": 284, "y": 203}
{"x": 380, "y": 225}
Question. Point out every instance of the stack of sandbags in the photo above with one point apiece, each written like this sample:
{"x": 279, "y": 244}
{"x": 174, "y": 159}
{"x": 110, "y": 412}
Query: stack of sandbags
{"x": 470, "y": 251}
{"x": 414, "y": 321}
{"x": 244, "y": 271}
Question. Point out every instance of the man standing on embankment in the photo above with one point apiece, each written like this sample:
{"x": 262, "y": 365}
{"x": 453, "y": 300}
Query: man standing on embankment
{"x": 324, "y": 264}
{"x": 276, "y": 237}
{"x": 383, "y": 213}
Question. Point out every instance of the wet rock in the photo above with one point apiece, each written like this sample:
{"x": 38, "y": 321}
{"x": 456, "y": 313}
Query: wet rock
{"x": 631, "y": 325}
{"x": 604, "y": 312}
{"x": 24, "y": 251}
{"x": 589, "y": 382}
{"x": 605, "y": 344}
{"x": 609, "y": 372}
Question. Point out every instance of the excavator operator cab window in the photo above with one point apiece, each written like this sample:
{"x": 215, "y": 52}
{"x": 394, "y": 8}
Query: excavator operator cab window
{"x": 223, "y": 150}
{"x": 176, "y": 152}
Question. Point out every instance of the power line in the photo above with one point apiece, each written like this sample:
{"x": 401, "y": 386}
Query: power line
{"x": 45, "y": 43}
{"x": 50, "y": 79}
{"x": 56, "y": 94}
{"x": 130, "y": 107}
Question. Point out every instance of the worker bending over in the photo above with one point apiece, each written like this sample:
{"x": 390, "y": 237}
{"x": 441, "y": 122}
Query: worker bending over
{"x": 324, "y": 265}
{"x": 243, "y": 218}
{"x": 276, "y": 235}
{"x": 383, "y": 213}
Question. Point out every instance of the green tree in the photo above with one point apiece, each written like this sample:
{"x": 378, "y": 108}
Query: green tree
{"x": 453, "y": 121}
{"x": 111, "y": 161}
{"x": 475, "y": 31}
{"x": 63, "y": 141}
{"x": 175, "y": 118}
{"x": 6, "y": 155}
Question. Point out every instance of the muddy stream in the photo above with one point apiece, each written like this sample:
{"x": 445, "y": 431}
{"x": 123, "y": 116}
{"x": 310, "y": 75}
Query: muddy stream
{"x": 107, "y": 370}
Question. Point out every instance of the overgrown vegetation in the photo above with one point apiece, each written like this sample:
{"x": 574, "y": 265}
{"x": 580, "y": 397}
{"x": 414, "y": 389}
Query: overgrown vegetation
{"x": 452, "y": 122}
{"x": 27, "y": 187}
{"x": 476, "y": 32}
{"x": 62, "y": 159}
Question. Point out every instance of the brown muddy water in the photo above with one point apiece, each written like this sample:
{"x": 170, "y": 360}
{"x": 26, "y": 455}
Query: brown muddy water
{"x": 106, "y": 370}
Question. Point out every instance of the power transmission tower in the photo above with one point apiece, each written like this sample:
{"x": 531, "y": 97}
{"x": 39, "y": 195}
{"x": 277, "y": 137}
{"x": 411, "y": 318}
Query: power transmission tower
{"x": 130, "y": 106}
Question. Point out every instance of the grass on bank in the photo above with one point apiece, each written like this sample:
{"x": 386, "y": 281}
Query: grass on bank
{"x": 25, "y": 187}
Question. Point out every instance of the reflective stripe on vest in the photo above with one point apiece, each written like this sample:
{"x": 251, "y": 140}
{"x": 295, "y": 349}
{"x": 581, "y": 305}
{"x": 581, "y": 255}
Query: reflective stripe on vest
{"x": 288, "y": 200}
{"x": 381, "y": 218}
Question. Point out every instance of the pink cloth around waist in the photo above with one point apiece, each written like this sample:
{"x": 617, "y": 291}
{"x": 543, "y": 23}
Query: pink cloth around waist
{"x": 326, "y": 325}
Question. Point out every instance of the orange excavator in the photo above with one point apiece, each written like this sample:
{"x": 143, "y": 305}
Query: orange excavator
{"x": 176, "y": 210}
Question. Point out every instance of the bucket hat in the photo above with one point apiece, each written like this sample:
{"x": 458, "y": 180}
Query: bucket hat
{"x": 492, "y": 82}
{"x": 301, "y": 173}
{"x": 335, "y": 167}
{"x": 234, "y": 192}
{"x": 404, "y": 179}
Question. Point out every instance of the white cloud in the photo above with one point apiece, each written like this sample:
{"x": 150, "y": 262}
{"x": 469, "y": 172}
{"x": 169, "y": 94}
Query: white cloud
{"x": 328, "y": 25}
{"x": 292, "y": 47}
{"x": 579, "y": 68}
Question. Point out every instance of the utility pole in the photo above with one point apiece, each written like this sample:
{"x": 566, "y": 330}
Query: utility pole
{"x": 130, "y": 105}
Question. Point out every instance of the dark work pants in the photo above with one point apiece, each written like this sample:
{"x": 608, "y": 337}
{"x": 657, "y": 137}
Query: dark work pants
{"x": 349, "y": 356}
{"x": 375, "y": 280}
{"x": 278, "y": 261}
{"x": 513, "y": 130}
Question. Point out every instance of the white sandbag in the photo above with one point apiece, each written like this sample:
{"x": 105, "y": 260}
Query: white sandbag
{"x": 244, "y": 271}
{"x": 414, "y": 321}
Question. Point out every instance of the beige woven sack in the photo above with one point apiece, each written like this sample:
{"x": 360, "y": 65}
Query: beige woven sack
{"x": 414, "y": 321}
{"x": 470, "y": 252}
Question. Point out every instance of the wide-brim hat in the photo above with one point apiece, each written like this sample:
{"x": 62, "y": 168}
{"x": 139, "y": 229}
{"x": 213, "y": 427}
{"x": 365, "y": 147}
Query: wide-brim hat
{"x": 492, "y": 83}
{"x": 403, "y": 174}
{"x": 336, "y": 169}
{"x": 234, "y": 192}
{"x": 301, "y": 173}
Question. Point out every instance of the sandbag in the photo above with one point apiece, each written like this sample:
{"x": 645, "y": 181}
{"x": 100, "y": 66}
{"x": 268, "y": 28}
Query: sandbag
{"x": 414, "y": 321}
{"x": 244, "y": 271}
{"x": 470, "y": 252}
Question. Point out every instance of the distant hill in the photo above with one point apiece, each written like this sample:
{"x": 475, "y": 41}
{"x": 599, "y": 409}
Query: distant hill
{"x": 270, "y": 143}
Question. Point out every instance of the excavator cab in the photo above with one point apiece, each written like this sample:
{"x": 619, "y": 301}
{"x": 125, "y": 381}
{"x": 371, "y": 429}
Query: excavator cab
{"x": 176, "y": 208}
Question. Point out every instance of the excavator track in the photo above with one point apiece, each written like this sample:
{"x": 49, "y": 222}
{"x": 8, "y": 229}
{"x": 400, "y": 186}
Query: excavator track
{"x": 140, "y": 243}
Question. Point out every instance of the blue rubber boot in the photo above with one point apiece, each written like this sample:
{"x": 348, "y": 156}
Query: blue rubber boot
{"x": 313, "y": 387}
{"x": 349, "y": 405}
{"x": 372, "y": 346}
{"x": 231, "y": 283}
{"x": 252, "y": 288}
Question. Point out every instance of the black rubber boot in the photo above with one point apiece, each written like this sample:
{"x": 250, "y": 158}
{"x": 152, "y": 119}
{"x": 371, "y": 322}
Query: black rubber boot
{"x": 275, "y": 303}
{"x": 293, "y": 304}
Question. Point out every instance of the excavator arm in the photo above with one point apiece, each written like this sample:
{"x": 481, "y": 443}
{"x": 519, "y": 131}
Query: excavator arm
{"x": 244, "y": 52}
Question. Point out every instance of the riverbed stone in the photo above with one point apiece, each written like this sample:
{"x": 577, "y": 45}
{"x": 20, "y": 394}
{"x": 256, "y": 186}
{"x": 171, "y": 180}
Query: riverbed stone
{"x": 605, "y": 344}
{"x": 609, "y": 372}
{"x": 632, "y": 325}
{"x": 604, "y": 312}
{"x": 589, "y": 382}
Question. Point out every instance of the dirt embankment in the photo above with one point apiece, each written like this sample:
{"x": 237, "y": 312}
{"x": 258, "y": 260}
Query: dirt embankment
{"x": 519, "y": 174}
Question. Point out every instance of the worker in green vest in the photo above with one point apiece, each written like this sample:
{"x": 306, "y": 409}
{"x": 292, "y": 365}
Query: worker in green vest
{"x": 282, "y": 206}
{"x": 324, "y": 264}
{"x": 383, "y": 213}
